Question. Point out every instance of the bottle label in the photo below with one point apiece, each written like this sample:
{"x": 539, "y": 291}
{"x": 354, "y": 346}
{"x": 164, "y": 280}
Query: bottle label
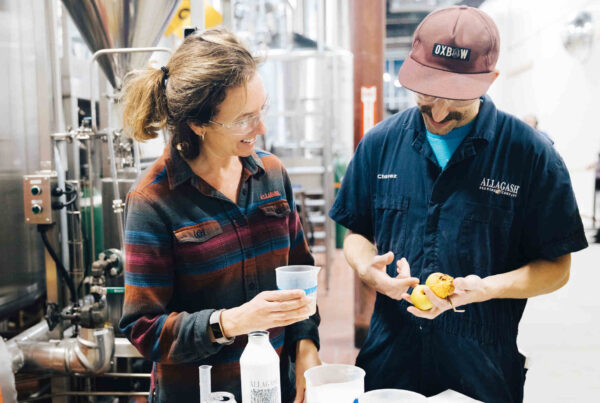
{"x": 265, "y": 392}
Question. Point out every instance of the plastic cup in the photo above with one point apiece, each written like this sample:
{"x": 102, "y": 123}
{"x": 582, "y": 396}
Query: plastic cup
{"x": 338, "y": 383}
{"x": 391, "y": 396}
{"x": 299, "y": 277}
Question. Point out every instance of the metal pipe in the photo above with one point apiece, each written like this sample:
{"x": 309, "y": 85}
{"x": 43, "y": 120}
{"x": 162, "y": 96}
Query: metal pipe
{"x": 59, "y": 122}
{"x": 90, "y": 353}
{"x": 116, "y": 393}
{"x": 39, "y": 332}
{"x": 113, "y": 51}
{"x": 76, "y": 238}
{"x": 137, "y": 158}
{"x": 116, "y": 203}
{"x": 124, "y": 349}
{"x": 34, "y": 333}
{"x": 320, "y": 25}
{"x": 91, "y": 195}
{"x": 118, "y": 375}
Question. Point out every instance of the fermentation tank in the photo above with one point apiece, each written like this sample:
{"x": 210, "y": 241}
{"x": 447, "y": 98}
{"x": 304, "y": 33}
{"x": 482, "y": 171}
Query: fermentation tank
{"x": 25, "y": 117}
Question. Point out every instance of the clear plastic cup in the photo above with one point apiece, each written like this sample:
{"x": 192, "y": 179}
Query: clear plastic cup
{"x": 338, "y": 383}
{"x": 299, "y": 277}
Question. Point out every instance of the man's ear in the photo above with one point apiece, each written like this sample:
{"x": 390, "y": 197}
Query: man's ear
{"x": 497, "y": 73}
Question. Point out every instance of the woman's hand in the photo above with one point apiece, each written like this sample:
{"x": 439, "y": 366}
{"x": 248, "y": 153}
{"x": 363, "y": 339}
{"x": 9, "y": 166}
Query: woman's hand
{"x": 307, "y": 357}
{"x": 267, "y": 310}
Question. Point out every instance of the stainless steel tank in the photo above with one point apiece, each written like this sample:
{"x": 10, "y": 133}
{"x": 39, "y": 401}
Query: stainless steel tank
{"x": 25, "y": 118}
{"x": 106, "y": 24}
{"x": 114, "y": 302}
{"x": 310, "y": 97}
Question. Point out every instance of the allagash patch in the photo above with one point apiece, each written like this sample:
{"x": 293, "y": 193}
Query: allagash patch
{"x": 451, "y": 52}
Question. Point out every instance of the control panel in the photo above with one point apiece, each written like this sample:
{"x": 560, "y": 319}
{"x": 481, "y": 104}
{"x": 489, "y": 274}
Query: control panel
{"x": 37, "y": 192}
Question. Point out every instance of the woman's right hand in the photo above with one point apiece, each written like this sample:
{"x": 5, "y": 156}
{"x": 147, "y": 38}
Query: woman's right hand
{"x": 267, "y": 310}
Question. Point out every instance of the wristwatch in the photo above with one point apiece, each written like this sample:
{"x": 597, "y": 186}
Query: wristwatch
{"x": 217, "y": 329}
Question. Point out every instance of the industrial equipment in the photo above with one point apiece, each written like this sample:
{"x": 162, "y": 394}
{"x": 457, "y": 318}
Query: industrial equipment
{"x": 65, "y": 167}
{"x": 57, "y": 209}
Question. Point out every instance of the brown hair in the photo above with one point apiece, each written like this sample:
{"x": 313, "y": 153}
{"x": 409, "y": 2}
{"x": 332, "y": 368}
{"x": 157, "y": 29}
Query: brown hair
{"x": 199, "y": 74}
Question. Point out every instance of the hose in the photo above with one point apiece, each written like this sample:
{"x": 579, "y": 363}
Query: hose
{"x": 60, "y": 268}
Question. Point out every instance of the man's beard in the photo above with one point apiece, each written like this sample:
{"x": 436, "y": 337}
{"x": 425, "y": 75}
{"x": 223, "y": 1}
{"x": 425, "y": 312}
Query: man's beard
{"x": 426, "y": 110}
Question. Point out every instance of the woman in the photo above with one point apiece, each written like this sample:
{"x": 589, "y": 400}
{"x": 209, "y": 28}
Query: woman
{"x": 207, "y": 225}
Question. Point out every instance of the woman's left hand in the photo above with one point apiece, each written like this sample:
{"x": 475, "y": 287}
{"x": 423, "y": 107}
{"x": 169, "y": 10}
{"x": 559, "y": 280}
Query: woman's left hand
{"x": 307, "y": 357}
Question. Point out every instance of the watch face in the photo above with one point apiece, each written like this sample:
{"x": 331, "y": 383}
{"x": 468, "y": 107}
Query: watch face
{"x": 216, "y": 329}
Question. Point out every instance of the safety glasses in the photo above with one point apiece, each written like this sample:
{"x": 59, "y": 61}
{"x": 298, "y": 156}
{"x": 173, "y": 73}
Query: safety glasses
{"x": 245, "y": 126}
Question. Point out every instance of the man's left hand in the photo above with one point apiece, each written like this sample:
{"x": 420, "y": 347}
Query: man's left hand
{"x": 307, "y": 357}
{"x": 467, "y": 290}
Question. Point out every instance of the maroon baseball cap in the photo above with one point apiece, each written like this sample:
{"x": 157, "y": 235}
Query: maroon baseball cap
{"x": 453, "y": 55}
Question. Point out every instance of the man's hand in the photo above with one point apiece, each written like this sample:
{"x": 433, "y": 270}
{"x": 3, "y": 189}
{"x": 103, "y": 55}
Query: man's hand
{"x": 307, "y": 357}
{"x": 467, "y": 290}
{"x": 393, "y": 287}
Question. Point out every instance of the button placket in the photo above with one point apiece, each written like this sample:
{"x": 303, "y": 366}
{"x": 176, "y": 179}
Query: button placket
{"x": 239, "y": 222}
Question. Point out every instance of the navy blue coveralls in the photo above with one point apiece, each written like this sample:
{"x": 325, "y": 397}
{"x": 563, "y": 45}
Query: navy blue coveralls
{"x": 504, "y": 199}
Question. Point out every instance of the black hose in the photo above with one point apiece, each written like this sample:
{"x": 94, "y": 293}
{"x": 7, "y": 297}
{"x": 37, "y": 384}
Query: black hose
{"x": 60, "y": 268}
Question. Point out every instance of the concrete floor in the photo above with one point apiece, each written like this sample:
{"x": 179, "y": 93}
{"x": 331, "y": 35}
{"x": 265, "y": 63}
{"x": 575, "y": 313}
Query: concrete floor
{"x": 559, "y": 332}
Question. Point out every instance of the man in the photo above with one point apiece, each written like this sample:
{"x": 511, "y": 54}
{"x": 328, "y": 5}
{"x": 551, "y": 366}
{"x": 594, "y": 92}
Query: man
{"x": 459, "y": 187}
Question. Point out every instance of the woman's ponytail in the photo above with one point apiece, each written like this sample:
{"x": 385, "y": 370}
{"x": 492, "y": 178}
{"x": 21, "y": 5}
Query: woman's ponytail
{"x": 144, "y": 103}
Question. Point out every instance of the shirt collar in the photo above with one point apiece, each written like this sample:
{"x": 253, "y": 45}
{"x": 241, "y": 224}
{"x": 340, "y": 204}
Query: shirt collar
{"x": 253, "y": 164}
{"x": 485, "y": 123}
{"x": 178, "y": 170}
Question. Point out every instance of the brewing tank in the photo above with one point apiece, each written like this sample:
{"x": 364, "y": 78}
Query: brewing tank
{"x": 25, "y": 118}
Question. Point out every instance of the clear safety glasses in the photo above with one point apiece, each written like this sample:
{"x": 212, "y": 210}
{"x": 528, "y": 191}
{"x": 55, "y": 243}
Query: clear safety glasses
{"x": 245, "y": 126}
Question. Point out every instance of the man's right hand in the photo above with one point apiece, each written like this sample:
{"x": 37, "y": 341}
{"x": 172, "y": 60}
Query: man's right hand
{"x": 393, "y": 287}
{"x": 267, "y": 310}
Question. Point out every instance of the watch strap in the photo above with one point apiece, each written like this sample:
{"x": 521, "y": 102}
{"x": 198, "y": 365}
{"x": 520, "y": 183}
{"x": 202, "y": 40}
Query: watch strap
{"x": 217, "y": 328}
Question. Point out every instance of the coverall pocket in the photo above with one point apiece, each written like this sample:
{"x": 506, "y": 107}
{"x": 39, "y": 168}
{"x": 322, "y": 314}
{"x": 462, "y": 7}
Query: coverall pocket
{"x": 276, "y": 219}
{"x": 484, "y": 239}
{"x": 391, "y": 222}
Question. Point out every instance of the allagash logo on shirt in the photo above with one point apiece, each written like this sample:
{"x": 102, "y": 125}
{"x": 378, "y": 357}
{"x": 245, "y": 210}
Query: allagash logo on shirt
{"x": 499, "y": 187}
{"x": 265, "y": 196}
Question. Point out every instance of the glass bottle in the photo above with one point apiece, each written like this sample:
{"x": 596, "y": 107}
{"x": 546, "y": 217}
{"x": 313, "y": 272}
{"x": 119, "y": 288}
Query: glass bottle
{"x": 260, "y": 370}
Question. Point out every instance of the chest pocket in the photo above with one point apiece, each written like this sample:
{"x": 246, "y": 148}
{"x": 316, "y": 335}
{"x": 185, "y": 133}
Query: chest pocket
{"x": 391, "y": 225}
{"x": 484, "y": 239}
{"x": 275, "y": 219}
{"x": 200, "y": 249}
